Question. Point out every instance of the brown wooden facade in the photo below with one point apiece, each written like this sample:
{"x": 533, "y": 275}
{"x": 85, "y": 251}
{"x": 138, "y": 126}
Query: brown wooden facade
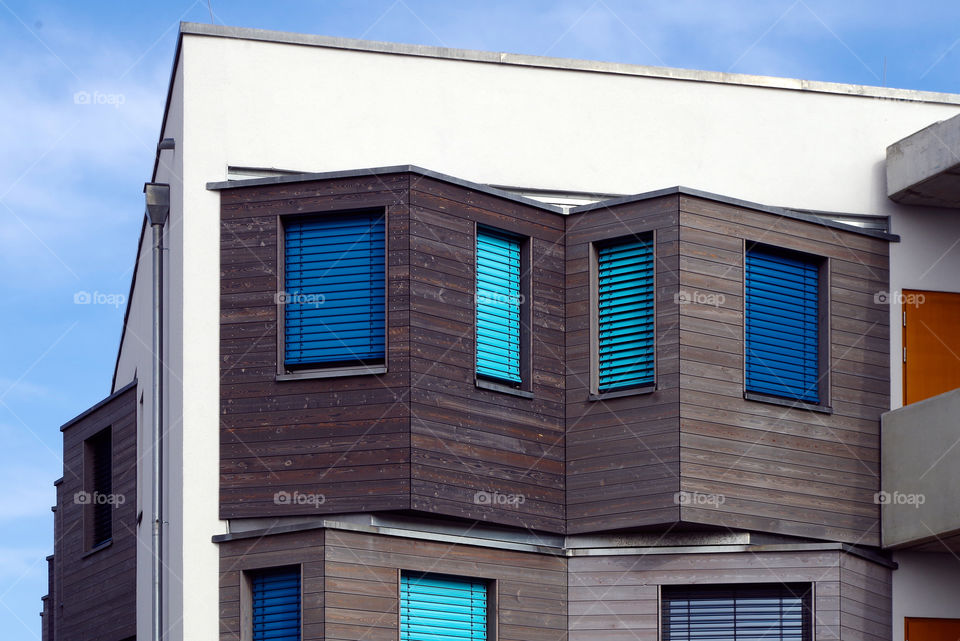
{"x": 793, "y": 471}
{"x": 618, "y": 597}
{"x": 92, "y": 590}
{"x": 425, "y": 437}
{"x": 351, "y": 582}
{"x": 623, "y": 452}
{"x": 422, "y": 435}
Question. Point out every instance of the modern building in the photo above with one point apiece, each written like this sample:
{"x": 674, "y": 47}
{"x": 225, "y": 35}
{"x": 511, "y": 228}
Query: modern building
{"x": 468, "y": 345}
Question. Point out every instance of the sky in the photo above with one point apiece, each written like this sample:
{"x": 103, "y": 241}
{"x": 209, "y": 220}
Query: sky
{"x": 82, "y": 88}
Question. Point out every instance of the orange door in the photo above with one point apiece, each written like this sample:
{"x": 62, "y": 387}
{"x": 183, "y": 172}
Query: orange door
{"x": 931, "y": 629}
{"x": 931, "y": 341}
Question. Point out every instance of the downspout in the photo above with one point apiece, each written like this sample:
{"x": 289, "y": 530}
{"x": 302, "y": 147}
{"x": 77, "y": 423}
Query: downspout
{"x": 158, "y": 208}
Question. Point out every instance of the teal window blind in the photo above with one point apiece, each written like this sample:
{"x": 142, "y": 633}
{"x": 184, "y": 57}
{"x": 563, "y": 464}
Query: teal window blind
{"x": 781, "y": 330}
{"x": 498, "y": 305}
{"x": 625, "y": 315}
{"x": 441, "y": 608}
{"x": 335, "y": 312}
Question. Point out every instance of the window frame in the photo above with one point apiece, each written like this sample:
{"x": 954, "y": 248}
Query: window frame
{"x": 319, "y": 370}
{"x": 524, "y": 388}
{"x": 493, "y": 597}
{"x": 807, "y": 595}
{"x": 246, "y": 597}
{"x": 824, "y": 341}
{"x": 594, "y": 257}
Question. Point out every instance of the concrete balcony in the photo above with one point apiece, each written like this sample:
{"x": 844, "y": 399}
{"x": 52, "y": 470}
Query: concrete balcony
{"x": 923, "y": 168}
{"x": 920, "y": 475}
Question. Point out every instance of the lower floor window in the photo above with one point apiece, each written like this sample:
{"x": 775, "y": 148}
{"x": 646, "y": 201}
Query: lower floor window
{"x": 275, "y": 600}
{"x": 435, "y": 607}
{"x": 780, "y": 612}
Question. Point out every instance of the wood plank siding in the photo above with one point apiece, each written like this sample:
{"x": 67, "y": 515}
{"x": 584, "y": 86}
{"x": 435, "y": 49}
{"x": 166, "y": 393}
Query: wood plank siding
{"x": 422, "y": 435}
{"x": 792, "y": 471}
{"x": 426, "y": 436}
{"x": 94, "y": 592}
{"x": 346, "y": 439}
{"x": 866, "y": 605}
{"x": 351, "y": 583}
{"x": 623, "y": 454}
{"x": 615, "y": 598}
{"x": 471, "y": 446}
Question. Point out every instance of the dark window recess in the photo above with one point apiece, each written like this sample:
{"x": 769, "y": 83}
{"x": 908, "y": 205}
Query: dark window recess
{"x": 625, "y": 315}
{"x": 782, "y": 335}
{"x": 334, "y": 290}
{"x": 276, "y": 604}
{"x": 101, "y": 487}
{"x": 773, "y": 612}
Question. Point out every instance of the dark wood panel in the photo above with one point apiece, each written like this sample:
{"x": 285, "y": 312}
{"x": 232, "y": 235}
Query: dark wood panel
{"x": 758, "y": 452}
{"x": 96, "y": 592}
{"x": 278, "y": 435}
{"x": 623, "y": 460}
{"x": 308, "y": 435}
{"x": 465, "y": 437}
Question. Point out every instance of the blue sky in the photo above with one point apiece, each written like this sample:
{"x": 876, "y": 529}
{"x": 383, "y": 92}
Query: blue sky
{"x": 71, "y": 174}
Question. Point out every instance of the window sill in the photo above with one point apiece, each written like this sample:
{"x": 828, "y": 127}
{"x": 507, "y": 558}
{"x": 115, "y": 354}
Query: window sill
{"x": 333, "y": 372}
{"x": 502, "y": 388}
{"x": 633, "y": 391}
{"x": 786, "y": 402}
{"x": 102, "y": 546}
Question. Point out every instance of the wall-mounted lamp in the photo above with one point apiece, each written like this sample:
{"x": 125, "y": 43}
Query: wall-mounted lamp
{"x": 158, "y": 202}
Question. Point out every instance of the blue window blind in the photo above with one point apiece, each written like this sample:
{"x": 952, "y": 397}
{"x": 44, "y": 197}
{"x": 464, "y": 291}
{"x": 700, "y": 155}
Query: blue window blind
{"x": 436, "y": 608}
{"x": 276, "y": 605}
{"x": 334, "y": 288}
{"x": 498, "y": 305}
{"x": 781, "y": 326}
{"x": 736, "y": 613}
{"x": 625, "y": 318}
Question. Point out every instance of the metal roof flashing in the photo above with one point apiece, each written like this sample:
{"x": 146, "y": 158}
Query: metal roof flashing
{"x": 500, "y": 193}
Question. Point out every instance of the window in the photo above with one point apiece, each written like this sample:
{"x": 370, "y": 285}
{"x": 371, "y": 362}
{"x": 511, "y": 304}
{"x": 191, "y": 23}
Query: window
{"x": 275, "y": 604}
{"x": 439, "y": 607}
{"x": 782, "y": 325}
{"x": 737, "y": 612}
{"x": 334, "y": 290}
{"x": 625, "y": 314}
{"x": 100, "y": 503}
{"x": 498, "y": 306}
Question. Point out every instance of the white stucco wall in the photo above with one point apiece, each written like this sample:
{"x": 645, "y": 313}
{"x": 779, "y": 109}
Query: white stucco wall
{"x": 251, "y": 103}
{"x": 925, "y": 585}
